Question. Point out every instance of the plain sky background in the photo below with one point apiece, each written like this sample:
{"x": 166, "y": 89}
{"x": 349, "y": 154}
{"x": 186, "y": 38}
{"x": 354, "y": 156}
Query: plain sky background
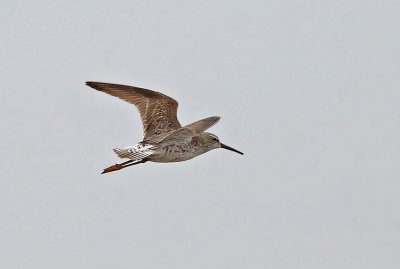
{"x": 308, "y": 90}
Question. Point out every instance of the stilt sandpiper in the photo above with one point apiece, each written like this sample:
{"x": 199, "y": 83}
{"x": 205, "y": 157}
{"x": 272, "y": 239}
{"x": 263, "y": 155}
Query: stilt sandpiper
{"x": 165, "y": 140}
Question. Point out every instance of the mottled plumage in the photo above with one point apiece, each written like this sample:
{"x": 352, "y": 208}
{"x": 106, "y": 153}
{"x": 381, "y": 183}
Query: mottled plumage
{"x": 165, "y": 140}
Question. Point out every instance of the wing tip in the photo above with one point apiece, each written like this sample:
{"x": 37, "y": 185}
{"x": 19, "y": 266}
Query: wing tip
{"x": 100, "y": 86}
{"x": 92, "y": 84}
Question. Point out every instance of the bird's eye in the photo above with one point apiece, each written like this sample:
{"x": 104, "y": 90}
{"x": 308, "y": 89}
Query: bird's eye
{"x": 215, "y": 139}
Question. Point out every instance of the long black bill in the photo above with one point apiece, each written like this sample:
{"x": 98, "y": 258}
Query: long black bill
{"x": 232, "y": 149}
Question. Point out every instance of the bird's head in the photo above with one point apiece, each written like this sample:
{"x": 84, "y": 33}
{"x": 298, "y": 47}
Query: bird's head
{"x": 214, "y": 143}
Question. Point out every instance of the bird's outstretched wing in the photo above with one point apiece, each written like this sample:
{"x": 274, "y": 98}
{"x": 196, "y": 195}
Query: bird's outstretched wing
{"x": 158, "y": 111}
{"x": 186, "y": 133}
{"x": 202, "y": 125}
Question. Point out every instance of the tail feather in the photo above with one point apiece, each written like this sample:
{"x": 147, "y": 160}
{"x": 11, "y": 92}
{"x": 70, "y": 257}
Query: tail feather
{"x": 121, "y": 152}
{"x": 136, "y": 152}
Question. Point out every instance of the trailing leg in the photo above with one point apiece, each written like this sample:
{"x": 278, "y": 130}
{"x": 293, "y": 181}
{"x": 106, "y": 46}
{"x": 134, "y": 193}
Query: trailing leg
{"x": 119, "y": 166}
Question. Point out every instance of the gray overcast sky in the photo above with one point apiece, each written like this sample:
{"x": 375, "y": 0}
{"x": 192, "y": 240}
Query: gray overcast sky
{"x": 309, "y": 90}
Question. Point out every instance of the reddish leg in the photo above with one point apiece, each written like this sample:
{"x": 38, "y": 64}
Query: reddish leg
{"x": 119, "y": 166}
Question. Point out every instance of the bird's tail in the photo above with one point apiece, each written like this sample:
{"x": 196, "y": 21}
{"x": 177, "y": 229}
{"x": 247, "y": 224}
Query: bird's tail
{"x": 137, "y": 152}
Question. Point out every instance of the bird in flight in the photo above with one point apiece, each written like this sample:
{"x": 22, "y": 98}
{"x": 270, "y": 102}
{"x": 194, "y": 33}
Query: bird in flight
{"x": 165, "y": 140}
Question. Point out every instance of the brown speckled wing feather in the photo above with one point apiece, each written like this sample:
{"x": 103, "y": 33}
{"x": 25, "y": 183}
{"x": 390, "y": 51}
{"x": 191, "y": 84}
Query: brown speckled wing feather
{"x": 157, "y": 111}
